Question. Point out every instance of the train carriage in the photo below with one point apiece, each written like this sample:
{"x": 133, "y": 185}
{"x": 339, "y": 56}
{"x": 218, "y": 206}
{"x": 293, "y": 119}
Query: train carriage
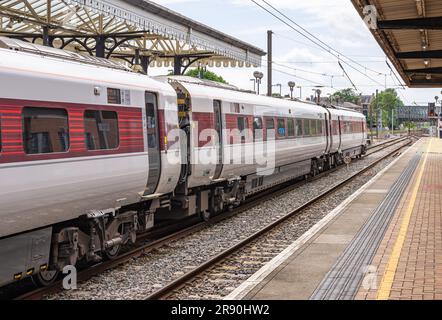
{"x": 285, "y": 134}
{"x": 91, "y": 155}
{"x": 79, "y": 136}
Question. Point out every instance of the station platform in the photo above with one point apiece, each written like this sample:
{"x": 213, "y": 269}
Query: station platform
{"x": 383, "y": 243}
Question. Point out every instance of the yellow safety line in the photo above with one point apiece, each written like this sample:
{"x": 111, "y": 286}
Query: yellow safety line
{"x": 390, "y": 273}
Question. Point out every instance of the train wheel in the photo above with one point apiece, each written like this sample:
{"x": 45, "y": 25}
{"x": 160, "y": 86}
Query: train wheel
{"x": 206, "y": 215}
{"x": 46, "y": 278}
{"x": 113, "y": 252}
{"x": 315, "y": 168}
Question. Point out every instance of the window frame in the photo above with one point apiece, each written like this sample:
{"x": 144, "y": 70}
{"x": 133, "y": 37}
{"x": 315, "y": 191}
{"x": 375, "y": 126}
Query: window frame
{"x": 65, "y": 110}
{"x": 319, "y": 128}
{"x": 244, "y": 131}
{"x": 292, "y": 121}
{"x": 306, "y": 128}
{"x": 313, "y": 128}
{"x": 118, "y": 130}
{"x": 267, "y": 121}
{"x": 278, "y": 120}
{"x": 297, "y": 122}
{"x": 255, "y": 129}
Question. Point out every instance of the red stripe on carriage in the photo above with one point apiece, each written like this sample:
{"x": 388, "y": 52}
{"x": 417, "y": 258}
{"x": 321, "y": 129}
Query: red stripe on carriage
{"x": 129, "y": 123}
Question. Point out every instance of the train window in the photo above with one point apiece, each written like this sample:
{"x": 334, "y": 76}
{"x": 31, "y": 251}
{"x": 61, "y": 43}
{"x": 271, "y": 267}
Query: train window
{"x": 299, "y": 127}
{"x": 291, "y": 127}
{"x": 101, "y": 130}
{"x": 45, "y": 130}
{"x": 307, "y": 128}
{"x": 243, "y": 125}
{"x": 335, "y": 127}
{"x": 257, "y": 129}
{"x": 270, "y": 124}
{"x": 281, "y": 128}
{"x": 313, "y": 129}
{"x": 319, "y": 127}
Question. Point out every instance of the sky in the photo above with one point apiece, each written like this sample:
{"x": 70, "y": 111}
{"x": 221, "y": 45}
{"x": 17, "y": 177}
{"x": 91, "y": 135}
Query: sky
{"x": 336, "y": 23}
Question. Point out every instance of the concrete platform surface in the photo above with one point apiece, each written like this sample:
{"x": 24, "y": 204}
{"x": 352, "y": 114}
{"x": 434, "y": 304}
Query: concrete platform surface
{"x": 406, "y": 260}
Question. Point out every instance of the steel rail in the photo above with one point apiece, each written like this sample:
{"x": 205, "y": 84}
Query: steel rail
{"x": 180, "y": 282}
{"x": 385, "y": 145}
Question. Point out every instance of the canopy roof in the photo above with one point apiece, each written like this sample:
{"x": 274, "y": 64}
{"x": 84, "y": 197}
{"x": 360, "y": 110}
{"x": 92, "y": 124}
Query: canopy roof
{"x": 137, "y": 31}
{"x": 410, "y": 33}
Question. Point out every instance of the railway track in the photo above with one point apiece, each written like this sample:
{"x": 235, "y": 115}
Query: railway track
{"x": 145, "y": 246}
{"x": 384, "y": 145}
{"x": 179, "y": 283}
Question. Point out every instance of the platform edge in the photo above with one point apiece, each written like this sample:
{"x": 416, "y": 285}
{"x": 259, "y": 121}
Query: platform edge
{"x": 250, "y": 284}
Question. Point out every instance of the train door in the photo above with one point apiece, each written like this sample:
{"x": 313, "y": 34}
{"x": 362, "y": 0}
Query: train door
{"x": 328, "y": 136}
{"x": 217, "y": 111}
{"x": 153, "y": 142}
{"x": 363, "y": 131}
{"x": 340, "y": 132}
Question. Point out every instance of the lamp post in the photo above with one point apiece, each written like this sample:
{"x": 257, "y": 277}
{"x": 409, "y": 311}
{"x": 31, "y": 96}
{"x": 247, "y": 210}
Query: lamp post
{"x": 440, "y": 110}
{"x": 258, "y": 76}
{"x": 436, "y": 111}
{"x": 377, "y": 114}
{"x": 318, "y": 95}
{"x": 436, "y": 114}
{"x": 439, "y": 122}
{"x": 292, "y": 86}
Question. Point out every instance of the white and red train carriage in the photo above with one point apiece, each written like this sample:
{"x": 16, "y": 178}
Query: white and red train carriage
{"x": 86, "y": 149}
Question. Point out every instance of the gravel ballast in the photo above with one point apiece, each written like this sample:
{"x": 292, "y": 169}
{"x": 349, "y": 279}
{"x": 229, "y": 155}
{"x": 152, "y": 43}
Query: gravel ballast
{"x": 146, "y": 274}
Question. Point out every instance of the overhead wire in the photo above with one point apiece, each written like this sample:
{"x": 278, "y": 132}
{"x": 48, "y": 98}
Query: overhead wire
{"x": 327, "y": 49}
{"x": 348, "y": 77}
{"x": 318, "y": 39}
{"x": 306, "y": 71}
{"x": 392, "y": 72}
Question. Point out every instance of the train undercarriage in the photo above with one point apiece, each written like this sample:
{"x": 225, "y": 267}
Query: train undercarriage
{"x": 100, "y": 235}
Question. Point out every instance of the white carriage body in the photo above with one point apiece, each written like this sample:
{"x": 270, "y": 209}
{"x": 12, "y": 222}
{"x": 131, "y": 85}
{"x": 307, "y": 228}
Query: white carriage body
{"x": 43, "y": 195}
{"x": 34, "y": 194}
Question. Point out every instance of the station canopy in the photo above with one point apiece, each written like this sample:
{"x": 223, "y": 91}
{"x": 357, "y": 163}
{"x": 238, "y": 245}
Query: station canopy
{"x": 139, "y": 32}
{"x": 410, "y": 33}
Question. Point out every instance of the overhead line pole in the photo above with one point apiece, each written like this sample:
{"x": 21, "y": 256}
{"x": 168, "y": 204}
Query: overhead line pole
{"x": 269, "y": 62}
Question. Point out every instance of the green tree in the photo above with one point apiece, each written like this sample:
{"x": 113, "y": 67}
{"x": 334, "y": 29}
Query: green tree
{"x": 387, "y": 101}
{"x": 205, "y": 74}
{"x": 346, "y": 95}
